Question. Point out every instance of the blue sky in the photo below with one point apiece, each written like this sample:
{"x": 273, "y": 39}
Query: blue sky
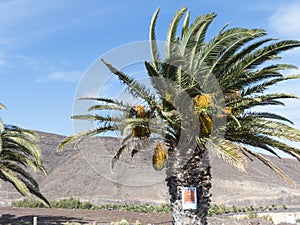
{"x": 46, "y": 47}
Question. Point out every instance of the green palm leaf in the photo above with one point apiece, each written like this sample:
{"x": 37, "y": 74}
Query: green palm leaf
{"x": 154, "y": 48}
{"x": 230, "y": 152}
{"x": 137, "y": 89}
{"x": 171, "y": 36}
{"x": 19, "y": 151}
{"x": 82, "y": 136}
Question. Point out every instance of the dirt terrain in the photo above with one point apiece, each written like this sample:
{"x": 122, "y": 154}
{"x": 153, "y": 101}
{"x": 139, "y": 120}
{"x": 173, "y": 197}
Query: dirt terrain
{"x": 19, "y": 216}
{"x": 15, "y": 216}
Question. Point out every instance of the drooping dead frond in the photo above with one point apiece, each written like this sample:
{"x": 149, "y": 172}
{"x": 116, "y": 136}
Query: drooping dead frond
{"x": 117, "y": 155}
{"x": 160, "y": 156}
{"x": 272, "y": 166}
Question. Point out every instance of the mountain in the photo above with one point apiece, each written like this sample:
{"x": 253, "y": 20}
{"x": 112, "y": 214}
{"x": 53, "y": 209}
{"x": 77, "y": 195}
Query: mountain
{"x": 85, "y": 172}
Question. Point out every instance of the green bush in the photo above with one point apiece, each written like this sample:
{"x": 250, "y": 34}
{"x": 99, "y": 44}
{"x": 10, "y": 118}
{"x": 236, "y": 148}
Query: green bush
{"x": 252, "y": 215}
{"x": 29, "y": 203}
{"x": 72, "y": 203}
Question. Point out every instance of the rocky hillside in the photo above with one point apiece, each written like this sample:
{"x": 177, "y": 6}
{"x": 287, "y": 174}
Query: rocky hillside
{"x": 86, "y": 173}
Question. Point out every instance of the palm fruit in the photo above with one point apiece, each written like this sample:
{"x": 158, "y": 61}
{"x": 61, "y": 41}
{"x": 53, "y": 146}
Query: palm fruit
{"x": 206, "y": 125}
{"x": 167, "y": 97}
{"x": 228, "y": 110}
{"x": 140, "y": 111}
{"x": 141, "y": 131}
{"x": 204, "y": 101}
{"x": 160, "y": 157}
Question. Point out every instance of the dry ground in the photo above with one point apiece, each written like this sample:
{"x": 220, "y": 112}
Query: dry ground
{"x": 23, "y": 216}
{"x": 16, "y": 216}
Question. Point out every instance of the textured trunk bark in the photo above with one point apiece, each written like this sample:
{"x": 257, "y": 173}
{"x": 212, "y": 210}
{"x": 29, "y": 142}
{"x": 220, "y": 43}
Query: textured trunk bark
{"x": 189, "y": 168}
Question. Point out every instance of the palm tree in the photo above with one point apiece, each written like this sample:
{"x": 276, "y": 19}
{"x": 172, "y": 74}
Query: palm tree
{"x": 18, "y": 152}
{"x": 207, "y": 94}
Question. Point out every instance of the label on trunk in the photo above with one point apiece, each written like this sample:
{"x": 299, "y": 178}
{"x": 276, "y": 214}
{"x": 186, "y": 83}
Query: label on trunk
{"x": 189, "y": 198}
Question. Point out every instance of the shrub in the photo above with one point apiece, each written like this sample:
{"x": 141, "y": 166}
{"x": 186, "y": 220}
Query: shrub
{"x": 252, "y": 215}
{"x": 234, "y": 209}
{"x": 29, "y": 203}
{"x": 72, "y": 203}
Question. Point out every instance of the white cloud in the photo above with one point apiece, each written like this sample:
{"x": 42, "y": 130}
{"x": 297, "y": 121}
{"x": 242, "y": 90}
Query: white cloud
{"x": 69, "y": 76}
{"x": 2, "y": 61}
{"x": 285, "y": 20}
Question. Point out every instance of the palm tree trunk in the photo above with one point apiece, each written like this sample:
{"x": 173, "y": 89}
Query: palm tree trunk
{"x": 189, "y": 168}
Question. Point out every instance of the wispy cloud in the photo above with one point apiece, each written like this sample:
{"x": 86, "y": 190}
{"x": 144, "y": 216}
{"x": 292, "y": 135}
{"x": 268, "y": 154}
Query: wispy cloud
{"x": 285, "y": 20}
{"x": 34, "y": 19}
{"x": 11, "y": 23}
{"x": 2, "y": 61}
{"x": 68, "y": 76}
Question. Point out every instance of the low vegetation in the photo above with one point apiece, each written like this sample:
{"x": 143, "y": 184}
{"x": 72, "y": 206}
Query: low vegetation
{"x": 72, "y": 203}
{"x": 221, "y": 209}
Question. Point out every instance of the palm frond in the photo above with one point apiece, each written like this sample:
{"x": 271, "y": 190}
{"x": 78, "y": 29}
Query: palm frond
{"x": 236, "y": 60}
{"x": 117, "y": 155}
{"x": 261, "y": 138}
{"x": 106, "y": 100}
{"x": 260, "y": 87}
{"x": 191, "y": 45}
{"x": 171, "y": 36}
{"x": 195, "y": 35}
{"x": 230, "y": 47}
{"x": 27, "y": 146}
{"x": 23, "y": 141}
{"x": 2, "y": 106}
{"x": 157, "y": 83}
{"x": 185, "y": 25}
{"x": 240, "y": 105}
{"x": 108, "y": 107}
{"x": 10, "y": 154}
{"x": 82, "y": 136}
{"x": 154, "y": 49}
{"x": 14, "y": 167}
{"x": 266, "y": 115}
{"x": 230, "y": 152}
{"x": 19, "y": 151}
{"x": 267, "y": 53}
{"x": 96, "y": 117}
{"x": 136, "y": 88}
{"x": 275, "y": 128}
{"x": 34, "y": 189}
{"x": 8, "y": 175}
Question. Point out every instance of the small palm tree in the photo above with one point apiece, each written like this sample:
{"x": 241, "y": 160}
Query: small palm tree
{"x": 18, "y": 152}
{"x": 206, "y": 98}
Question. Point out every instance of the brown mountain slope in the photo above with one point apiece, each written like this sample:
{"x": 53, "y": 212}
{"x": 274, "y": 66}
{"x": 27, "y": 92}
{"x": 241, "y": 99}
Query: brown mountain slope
{"x": 86, "y": 173}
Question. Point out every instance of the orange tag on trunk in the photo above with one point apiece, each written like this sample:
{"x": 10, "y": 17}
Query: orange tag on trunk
{"x": 189, "y": 198}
